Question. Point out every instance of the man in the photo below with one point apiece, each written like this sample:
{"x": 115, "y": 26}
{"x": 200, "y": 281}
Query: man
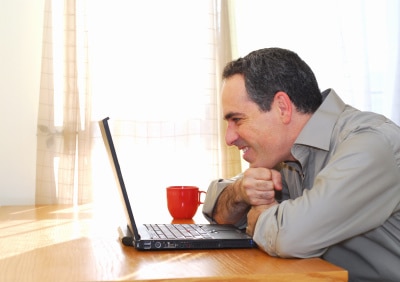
{"x": 324, "y": 178}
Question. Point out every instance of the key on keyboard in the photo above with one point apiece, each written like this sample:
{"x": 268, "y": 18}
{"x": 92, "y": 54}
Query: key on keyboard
{"x": 176, "y": 231}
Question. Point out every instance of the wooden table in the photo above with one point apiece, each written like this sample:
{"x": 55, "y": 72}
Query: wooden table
{"x": 63, "y": 243}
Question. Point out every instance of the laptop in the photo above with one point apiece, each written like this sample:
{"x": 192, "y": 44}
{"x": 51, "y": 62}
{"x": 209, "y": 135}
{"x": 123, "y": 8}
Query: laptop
{"x": 169, "y": 236}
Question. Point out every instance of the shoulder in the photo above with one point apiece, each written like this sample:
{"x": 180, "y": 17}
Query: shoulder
{"x": 367, "y": 125}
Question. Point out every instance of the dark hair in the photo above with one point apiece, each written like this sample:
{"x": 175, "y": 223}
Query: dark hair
{"x": 267, "y": 71}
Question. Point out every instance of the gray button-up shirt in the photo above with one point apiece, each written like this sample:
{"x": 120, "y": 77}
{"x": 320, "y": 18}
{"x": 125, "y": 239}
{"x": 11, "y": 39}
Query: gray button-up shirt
{"x": 341, "y": 199}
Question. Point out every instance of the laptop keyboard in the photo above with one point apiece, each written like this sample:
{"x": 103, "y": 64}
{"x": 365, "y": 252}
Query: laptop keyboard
{"x": 177, "y": 231}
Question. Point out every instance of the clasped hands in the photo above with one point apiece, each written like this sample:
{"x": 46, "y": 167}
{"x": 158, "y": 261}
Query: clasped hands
{"x": 257, "y": 189}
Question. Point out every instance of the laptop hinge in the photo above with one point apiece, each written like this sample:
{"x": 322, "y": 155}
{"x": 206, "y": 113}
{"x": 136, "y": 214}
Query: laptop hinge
{"x": 126, "y": 236}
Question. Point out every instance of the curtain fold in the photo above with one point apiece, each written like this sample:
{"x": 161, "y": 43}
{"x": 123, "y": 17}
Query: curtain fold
{"x": 45, "y": 177}
{"x": 231, "y": 163}
{"x": 63, "y": 150}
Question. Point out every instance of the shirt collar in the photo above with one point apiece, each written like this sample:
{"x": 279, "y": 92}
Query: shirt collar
{"x": 318, "y": 130}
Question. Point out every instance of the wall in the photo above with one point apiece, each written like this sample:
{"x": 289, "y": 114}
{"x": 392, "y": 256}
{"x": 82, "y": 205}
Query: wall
{"x": 20, "y": 51}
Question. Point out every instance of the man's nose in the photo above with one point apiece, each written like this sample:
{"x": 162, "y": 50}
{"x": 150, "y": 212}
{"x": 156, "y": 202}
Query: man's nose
{"x": 230, "y": 136}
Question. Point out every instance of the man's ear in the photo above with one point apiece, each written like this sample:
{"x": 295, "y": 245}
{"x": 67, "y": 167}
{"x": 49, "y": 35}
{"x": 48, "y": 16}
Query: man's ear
{"x": 284, "y": 106}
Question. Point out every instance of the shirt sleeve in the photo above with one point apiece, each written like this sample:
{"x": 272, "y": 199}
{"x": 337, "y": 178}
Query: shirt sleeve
{"x": 357, "y": 191}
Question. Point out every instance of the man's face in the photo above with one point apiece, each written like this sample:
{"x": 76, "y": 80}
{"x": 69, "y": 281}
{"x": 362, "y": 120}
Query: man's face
{"x": 260, "y": 135}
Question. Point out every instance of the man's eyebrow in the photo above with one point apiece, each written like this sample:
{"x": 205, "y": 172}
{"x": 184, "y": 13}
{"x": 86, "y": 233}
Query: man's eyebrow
{"x": 228, "y": 116}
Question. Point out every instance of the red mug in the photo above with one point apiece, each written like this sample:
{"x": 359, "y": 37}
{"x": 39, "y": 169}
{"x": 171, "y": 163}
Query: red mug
{"x": 183, "y": 201}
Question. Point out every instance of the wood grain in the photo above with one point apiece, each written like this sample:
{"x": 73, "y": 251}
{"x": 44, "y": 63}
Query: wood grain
{"x": 61, "y": 243}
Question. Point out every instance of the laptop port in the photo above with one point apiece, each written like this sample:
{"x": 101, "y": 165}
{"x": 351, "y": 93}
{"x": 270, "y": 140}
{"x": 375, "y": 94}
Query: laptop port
{"x": 171, "y": 245}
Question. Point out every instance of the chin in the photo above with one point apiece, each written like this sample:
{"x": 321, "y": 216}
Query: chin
{"x": 260, "y": 164}
{"x": 255, "y": 164}
{"x": 248, "y": 161}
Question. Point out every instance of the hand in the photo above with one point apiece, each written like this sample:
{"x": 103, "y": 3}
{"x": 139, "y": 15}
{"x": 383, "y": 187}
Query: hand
{"x": 253, "y": 214}
{"x": 252, "y": 217}
{"x": 258, "y": 186}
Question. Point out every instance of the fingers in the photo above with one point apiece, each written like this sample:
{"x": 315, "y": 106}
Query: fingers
{"x": 259, "y": 185}
{"x": 276, "y": 178}
{"x": 257, "y": 198}
{"x": 265, "y": 174}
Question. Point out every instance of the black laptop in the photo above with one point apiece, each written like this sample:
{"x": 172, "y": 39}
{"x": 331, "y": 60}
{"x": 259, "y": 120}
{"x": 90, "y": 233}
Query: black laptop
{"x": 169, "y": 236}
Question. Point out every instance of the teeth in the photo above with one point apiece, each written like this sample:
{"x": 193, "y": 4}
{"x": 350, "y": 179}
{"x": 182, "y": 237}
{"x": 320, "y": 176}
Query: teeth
{"x": 244, "y": 150}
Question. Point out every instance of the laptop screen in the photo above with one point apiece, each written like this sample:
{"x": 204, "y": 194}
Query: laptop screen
{"x": 112, "y": 154}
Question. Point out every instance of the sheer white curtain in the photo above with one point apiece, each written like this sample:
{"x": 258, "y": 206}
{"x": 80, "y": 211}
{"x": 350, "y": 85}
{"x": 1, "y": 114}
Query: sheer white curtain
{"x": 352, "y": 46}
{"x": 154, "y": 74}
{"x": 63, "y": 167}
{"x": 153, "y": 67}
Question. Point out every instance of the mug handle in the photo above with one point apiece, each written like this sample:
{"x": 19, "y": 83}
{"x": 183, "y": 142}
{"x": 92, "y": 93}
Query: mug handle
{"x": 201, "y": 192}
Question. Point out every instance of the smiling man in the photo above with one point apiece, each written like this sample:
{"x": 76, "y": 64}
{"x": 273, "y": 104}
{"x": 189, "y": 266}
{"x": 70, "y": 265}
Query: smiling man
{"x": 324, "y": 178}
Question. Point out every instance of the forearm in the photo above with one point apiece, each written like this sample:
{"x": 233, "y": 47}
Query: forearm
{"x": 214, "y": 191}
{"x": 230, "y": 207}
